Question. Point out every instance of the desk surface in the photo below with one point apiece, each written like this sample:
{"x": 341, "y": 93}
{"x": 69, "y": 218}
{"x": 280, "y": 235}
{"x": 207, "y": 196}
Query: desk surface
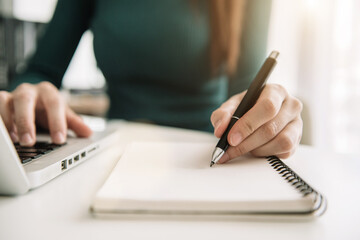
{"x": 60, "y": 209}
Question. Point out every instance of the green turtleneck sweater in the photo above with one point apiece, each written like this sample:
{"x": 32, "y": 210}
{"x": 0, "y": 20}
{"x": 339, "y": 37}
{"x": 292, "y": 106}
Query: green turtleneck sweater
{"x": 154, "y": 56}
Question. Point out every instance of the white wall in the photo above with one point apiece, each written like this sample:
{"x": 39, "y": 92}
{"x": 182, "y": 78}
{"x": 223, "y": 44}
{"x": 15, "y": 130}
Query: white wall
{"x": 320, "y": 63}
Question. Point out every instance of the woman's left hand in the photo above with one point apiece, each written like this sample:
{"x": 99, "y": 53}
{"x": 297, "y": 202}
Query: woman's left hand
{"x": 273, "y": 126}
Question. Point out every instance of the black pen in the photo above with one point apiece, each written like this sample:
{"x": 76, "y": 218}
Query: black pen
{"x": 248, "y": 102}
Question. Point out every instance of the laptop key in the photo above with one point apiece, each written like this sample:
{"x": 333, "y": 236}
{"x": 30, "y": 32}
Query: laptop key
{"x": 31, "y": 155}
{"x": 25, "y": 159}
{"x": 31, "y": 150}
{"x": 55, "y": 146}
{"x": 39, "y": 149}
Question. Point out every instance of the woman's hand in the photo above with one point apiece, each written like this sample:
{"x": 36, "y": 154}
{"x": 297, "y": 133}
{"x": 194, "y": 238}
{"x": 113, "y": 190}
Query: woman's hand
{"x": 273, "y": 126}
{"x": 41, "y": 104}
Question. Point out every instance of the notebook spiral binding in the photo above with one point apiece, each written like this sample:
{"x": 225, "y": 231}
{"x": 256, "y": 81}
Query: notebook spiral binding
{"x": 290, "y": 176}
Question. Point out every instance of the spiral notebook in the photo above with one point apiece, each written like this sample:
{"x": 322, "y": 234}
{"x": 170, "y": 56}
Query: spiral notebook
{"x": 159, "y": 178}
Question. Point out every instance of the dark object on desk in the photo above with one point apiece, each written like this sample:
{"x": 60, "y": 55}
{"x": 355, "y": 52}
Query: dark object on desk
{"x": 248, "y": 102}
{"x": 17, "y": 40}
{"x": 94, "y": 102}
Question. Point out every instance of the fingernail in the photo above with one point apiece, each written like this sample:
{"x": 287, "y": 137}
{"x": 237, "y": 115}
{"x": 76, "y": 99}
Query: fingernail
{"x": 59, "y": 138}
{"x": 224, "y": 159}
{"x": 14, "y": 136}
{"x": 235, "y": 139}
{"x": 26, "y": 139}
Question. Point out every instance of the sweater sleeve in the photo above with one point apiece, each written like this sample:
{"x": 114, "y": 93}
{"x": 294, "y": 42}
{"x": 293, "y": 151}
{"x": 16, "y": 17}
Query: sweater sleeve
{"x": 253, "y": 44}
{"x": 58, "y": 43}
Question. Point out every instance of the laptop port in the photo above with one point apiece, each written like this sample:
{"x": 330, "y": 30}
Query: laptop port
{"x": 63, "y": 165}
{"x": 91, "y": 149}
{"x": 83, "y": 154}
{"x": 70, "y": 161}
{"x": 77, "y": 158}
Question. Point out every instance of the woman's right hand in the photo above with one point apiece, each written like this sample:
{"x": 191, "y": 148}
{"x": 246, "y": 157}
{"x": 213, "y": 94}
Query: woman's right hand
{"x": 40, "y": 104}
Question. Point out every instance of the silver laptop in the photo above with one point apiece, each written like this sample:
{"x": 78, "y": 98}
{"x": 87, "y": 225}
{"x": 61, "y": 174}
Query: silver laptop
{"x": 25, "y": 168}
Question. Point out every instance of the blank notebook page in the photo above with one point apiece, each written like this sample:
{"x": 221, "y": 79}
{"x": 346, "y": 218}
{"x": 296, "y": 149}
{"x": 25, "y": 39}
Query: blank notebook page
{"x": 177, "y": 177}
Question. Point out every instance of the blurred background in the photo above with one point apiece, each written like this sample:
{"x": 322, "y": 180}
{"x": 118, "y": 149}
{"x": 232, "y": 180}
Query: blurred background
{"x": 319, "y": 62}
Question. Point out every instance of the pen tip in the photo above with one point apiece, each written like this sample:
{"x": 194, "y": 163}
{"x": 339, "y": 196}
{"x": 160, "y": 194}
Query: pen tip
{"x": 217, "y": 154}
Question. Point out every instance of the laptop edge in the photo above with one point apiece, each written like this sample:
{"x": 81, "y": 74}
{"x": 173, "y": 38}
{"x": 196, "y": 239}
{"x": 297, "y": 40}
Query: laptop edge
{"x": 17, "y": 178}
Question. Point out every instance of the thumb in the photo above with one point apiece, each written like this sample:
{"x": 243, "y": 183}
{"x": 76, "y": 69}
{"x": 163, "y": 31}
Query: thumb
{"x": 76, "y": 124}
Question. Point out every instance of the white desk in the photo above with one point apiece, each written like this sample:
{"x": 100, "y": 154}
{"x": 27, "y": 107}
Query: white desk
{"x": 60, "y": 209}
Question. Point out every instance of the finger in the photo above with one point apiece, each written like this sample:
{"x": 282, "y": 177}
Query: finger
{"x": 24, "y": 98}
{"x": 14, "y": 134}
{"x": 7, "y": 114}
{"x": 76, "y": 124}
{"x": 223, "y": 120}
{"x": 265, "y": 109}
{"x": 289, "y": 111}
{"x": 221, "y": 117}
{"x": 55, "y": 111}
{"x": 284, "y": 143}
{"x": 286, "y": 155}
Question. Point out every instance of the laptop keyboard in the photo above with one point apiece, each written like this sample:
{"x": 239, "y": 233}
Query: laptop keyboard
{"x": 27, "y": 154}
